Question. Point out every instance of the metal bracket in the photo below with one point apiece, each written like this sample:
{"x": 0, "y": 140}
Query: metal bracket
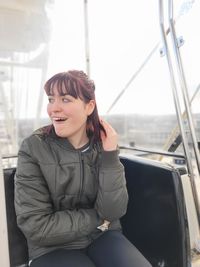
{"x": 180, "y": 41}
{"x": 162, "y": 51}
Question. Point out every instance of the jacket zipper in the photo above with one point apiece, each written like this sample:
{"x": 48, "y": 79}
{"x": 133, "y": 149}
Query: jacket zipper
{"x": 82, "y": 176}
{"x": 81, "y": 180}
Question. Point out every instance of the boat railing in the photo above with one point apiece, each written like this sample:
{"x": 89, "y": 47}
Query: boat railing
{"x": 174, "y": 87}
{"x": 183, "y": 84}
{"x": 153, "y": 151}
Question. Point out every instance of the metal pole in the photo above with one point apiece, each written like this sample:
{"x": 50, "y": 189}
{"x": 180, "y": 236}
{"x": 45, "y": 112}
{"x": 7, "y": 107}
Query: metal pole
{"x": 178, "y": 111}
{"x": 183, "y": 85}
{"x": 87, "y": 50}
{"x": 175, "y": 132}
{"x": 133, "y": 77}
{"x": 5, "y": 260}
{"x": 41, "y": 92}
{"x": 40, "y": 99}
{"x": 136, "y": 74}
{"x": 9, "y": 125}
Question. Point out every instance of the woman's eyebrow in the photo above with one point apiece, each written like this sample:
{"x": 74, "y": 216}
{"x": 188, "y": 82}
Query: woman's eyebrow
{"x": 61, "y": 94}
{"x": 64, "y": 94}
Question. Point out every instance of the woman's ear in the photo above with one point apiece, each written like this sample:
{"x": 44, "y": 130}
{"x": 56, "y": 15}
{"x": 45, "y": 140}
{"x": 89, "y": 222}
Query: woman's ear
{"x": 90, "y": 107}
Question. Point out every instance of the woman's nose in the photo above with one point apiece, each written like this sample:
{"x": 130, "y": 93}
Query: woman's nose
{"x": 56, "y": 106}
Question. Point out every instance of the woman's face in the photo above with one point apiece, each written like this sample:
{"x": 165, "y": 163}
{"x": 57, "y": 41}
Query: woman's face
{"x": 69, "y": 116}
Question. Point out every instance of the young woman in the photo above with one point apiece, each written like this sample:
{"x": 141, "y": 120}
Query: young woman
{"x": 70, "y": 189}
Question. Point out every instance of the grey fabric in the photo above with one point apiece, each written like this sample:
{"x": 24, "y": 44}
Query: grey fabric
{"x": 62, "y": 195}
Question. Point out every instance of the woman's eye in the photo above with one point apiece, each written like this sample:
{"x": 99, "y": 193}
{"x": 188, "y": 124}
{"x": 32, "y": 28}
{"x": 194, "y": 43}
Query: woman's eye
{"x": 50, "y": 100}
{"x": 65, "y": 100}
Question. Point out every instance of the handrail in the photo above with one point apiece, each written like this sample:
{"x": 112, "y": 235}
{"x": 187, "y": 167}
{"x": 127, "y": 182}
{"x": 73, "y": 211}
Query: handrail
{"x": 9, "y": 156}
{"x": 183, "y": 84}
{"x": 178, "y": 110}
{"x": 175, "y": 133}
{"x": 150, "y": 151}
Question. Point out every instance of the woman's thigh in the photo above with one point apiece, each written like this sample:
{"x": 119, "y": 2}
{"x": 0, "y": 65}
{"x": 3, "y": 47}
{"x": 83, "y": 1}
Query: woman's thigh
{"x": 63, "y": 258}
{"x": 113, "y": 249}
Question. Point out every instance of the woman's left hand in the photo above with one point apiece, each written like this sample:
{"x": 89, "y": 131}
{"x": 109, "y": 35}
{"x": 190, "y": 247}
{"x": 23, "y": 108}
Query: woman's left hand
{"x": 110, "y": 140}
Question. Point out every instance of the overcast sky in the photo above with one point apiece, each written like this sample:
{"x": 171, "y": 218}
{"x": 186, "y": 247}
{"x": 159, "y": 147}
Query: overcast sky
{"x": 121, "y": 36}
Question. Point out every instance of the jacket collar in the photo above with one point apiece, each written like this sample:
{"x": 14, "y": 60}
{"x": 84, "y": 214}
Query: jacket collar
{"x": 63, "y": 142}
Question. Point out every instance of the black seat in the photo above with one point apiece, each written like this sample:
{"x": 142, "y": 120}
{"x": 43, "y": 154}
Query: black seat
{"x": 155, "y": 220}
{"x": 17, "y": 242}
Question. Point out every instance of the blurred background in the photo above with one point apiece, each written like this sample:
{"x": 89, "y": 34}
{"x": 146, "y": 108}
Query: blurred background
{"x": 117, "y": 42}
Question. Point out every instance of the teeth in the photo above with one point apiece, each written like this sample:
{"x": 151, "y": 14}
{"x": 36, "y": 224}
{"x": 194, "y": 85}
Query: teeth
{"x": 59, "y": 119}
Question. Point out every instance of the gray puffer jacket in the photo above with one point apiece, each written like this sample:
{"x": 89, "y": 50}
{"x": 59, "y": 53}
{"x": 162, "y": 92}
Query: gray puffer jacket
{"x": 62, "y": 194}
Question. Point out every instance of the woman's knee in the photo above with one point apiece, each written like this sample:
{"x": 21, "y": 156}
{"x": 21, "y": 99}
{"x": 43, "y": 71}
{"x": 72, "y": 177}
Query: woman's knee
{"x": 117, "y": 251}
{"x": 63, "y": 258}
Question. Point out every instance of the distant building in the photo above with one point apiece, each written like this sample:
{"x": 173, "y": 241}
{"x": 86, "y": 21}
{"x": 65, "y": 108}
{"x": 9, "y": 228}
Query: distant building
{"x": 141, "y": 130}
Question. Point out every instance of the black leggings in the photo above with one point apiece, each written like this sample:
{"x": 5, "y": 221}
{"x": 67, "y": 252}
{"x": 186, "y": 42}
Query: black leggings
{"x": 112, "y": 249}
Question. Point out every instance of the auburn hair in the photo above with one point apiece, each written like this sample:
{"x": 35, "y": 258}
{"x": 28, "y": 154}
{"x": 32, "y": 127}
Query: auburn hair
{"x": 77, "y": 84}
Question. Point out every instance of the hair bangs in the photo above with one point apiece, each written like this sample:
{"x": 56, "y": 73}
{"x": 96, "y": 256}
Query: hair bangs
{"x": 63, "y": 84}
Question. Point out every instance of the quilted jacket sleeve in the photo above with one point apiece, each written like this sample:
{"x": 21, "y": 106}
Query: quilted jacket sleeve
{"x": 112, "y": 197}
{"x": 34, "y": 209}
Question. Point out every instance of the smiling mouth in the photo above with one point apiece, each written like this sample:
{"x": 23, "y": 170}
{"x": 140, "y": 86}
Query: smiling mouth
{"x": 59, "y": 119}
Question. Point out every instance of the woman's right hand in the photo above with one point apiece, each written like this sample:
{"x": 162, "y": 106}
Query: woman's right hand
{"x": 110, "y": 140}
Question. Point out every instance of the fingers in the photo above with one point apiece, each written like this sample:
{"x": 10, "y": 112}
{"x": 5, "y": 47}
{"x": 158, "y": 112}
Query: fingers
{"x": 109, "y": 140}
{"x": 107, "y": 126}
